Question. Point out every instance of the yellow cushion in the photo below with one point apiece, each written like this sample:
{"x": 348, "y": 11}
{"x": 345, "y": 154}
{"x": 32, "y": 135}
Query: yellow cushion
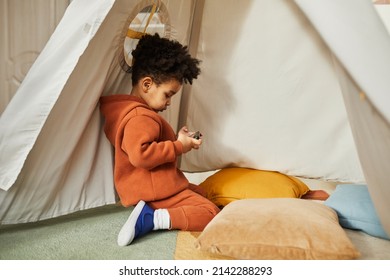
{"x": 276, "y": 228}
{"x": 236, "y": 183}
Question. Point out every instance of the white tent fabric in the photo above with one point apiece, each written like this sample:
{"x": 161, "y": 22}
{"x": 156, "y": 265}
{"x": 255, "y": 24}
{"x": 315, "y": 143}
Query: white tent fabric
{"x": 364, "y": 53}
{"x": 270, "y": 96}
{"x": 28, "y": 111}
{"x": 50, "y": 120}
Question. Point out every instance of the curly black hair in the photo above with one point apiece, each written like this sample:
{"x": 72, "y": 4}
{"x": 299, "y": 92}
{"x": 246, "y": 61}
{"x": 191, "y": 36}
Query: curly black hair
{"x": 163, "y": 60}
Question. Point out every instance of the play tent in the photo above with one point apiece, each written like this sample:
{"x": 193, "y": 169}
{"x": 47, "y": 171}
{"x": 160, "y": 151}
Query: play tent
{"x": 298, "y": 87}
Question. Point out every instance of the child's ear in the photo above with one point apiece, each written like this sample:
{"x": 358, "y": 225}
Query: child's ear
{"x": 146, "y": 83}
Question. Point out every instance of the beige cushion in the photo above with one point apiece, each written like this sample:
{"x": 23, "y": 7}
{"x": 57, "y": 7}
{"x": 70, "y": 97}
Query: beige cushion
{"x": 276, "y": 228}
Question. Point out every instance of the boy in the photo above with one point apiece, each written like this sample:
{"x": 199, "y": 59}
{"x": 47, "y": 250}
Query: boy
{"x": 146, "y": 147}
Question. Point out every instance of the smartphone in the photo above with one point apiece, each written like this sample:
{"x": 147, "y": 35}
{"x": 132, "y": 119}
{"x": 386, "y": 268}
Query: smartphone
{"x": 196, "y": 135}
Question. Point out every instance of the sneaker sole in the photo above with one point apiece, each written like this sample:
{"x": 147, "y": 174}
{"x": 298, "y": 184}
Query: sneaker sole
{"x": 126, "y": 234}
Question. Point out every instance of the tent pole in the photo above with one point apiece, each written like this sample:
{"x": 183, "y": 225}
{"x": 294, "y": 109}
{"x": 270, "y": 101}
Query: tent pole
{"x": 193, "y": 43}
{"x": 192, "y": 48}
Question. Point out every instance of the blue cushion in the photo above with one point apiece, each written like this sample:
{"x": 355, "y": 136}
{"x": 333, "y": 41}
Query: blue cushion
{"x": 355, "y": 209}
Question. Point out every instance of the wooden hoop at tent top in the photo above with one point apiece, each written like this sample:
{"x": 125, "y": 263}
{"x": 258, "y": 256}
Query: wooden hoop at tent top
{"x": 156, "y": 7}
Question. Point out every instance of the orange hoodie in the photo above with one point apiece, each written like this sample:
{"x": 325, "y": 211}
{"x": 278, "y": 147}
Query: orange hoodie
{"x": 146, "y": 150}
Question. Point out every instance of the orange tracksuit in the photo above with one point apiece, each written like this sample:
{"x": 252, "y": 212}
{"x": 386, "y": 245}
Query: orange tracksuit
{"x": 145, "y": 168}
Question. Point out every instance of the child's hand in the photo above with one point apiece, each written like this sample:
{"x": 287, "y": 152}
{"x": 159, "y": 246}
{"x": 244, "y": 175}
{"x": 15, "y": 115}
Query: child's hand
{"x": 189, "y": 143}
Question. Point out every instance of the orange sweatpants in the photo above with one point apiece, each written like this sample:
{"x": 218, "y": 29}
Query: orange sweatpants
{"x": 188, "y": 210}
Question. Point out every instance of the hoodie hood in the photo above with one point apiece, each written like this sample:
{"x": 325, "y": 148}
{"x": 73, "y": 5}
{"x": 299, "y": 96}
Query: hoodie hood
{"x": 115, "y": 109}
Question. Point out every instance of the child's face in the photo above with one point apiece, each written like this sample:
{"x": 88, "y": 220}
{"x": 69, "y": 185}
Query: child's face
{"x": 159, "y": 96}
